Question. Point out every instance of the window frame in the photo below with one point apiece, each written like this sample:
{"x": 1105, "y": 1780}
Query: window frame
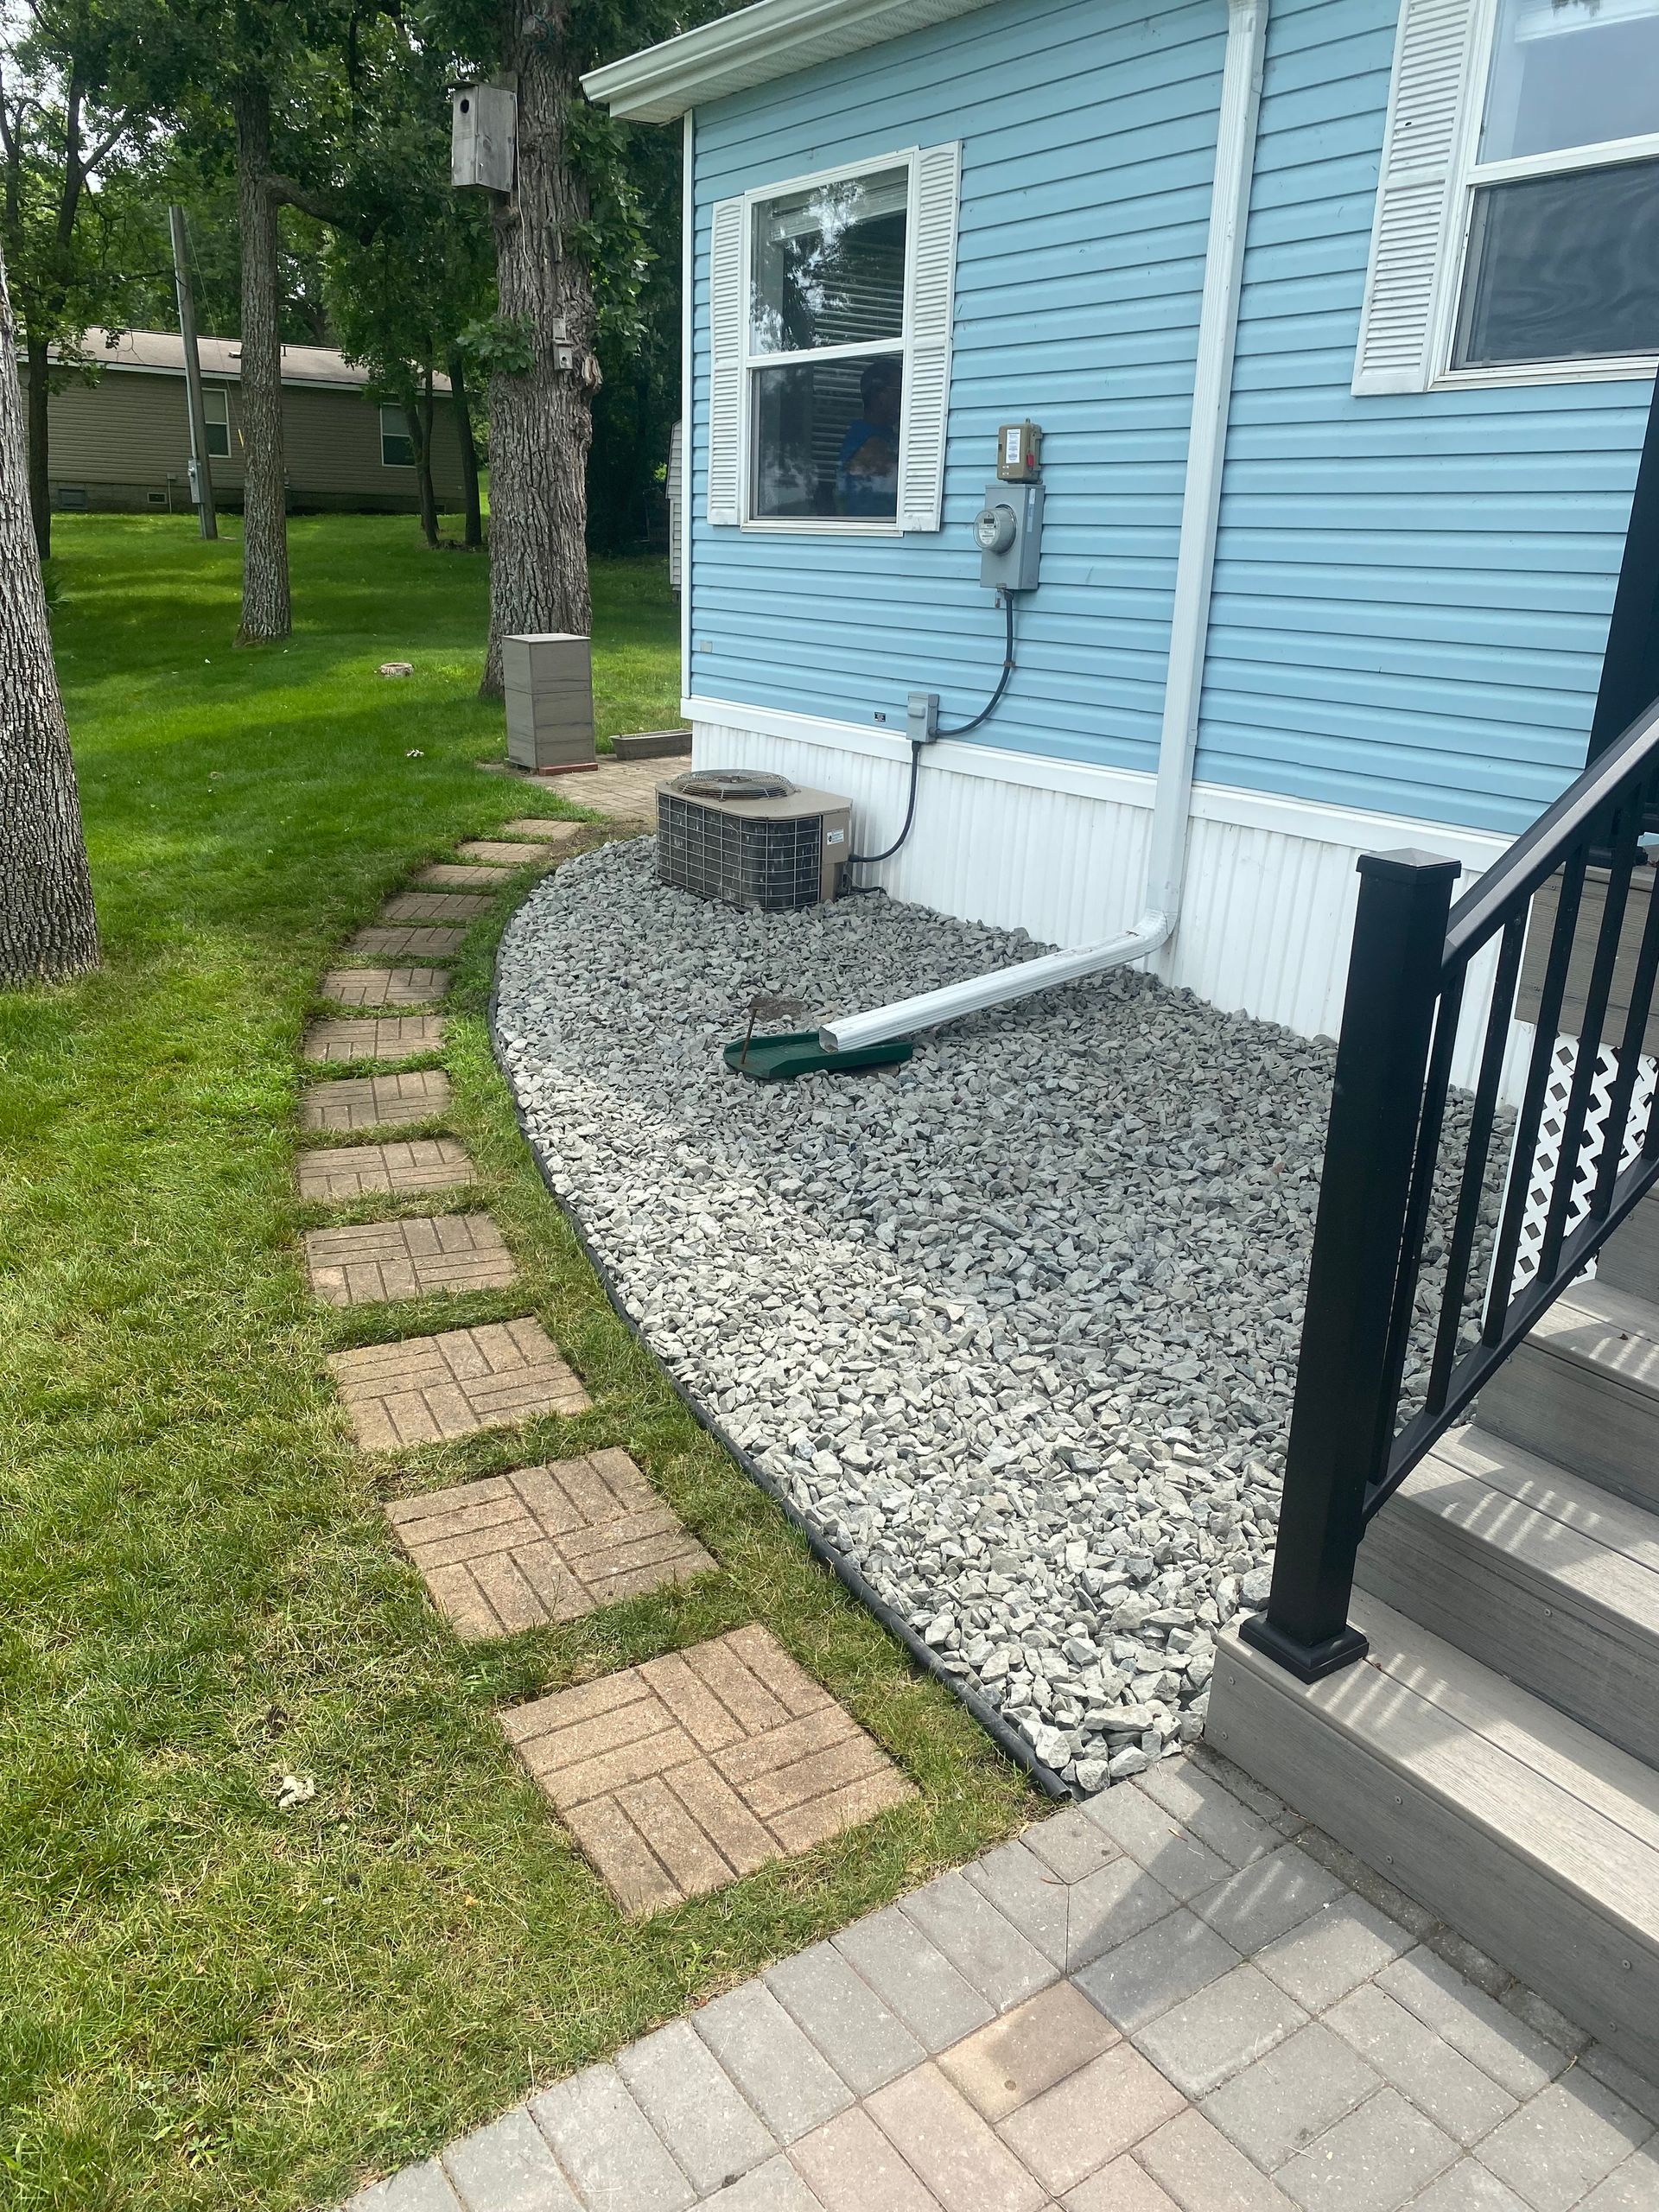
{"x": 210, "y": 423}
{"x": 389, "y": 407}
{"x": 1470, "y": 176}
{"x": 899, "y": 348}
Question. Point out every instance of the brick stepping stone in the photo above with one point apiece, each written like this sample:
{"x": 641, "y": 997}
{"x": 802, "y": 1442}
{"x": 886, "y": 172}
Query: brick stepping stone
{"x": 399, "y": 1037}
{"x": 378, "y": 1171}
{"x": 376, "y": 1102}
{"x": 428, "y": 1387}
{"x": 544, "y": 1543}
{"x": 386, "y": 986}
{"x": 503, "y": 855}
{"x": 435, "y": 906}
{"x": 537, "y": 825}
{"x": 449, "y": 875}
{"x": 371, "y": 1261}
{"x": 680, "y": 1774}
{"x": 388, "y": 945}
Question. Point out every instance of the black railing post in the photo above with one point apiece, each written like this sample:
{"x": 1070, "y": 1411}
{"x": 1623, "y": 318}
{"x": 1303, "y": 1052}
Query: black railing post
{"x": 1345, "y": 1393}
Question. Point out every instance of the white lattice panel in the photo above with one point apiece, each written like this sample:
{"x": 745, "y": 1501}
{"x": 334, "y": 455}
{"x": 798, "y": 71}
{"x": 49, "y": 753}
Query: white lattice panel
{"x": 1545, "y": 1160}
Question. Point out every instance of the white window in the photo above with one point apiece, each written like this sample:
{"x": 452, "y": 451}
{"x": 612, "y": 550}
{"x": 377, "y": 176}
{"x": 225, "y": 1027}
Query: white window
{"x": 830, "y": 337}
{"x": 397, "y": 446}
{"x": 216, "y": 413}
{"x": 1517, "y": 223}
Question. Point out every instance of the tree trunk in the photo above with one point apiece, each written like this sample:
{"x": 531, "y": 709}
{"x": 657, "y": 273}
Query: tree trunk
{"x": 266, "y": 613}
{"x": 473, "y": 535}
{"x": 40, "y": 479}
{"x": 47, "y": 927}
{"x": 541, "y": 421}
{"x": 422, "y": 416}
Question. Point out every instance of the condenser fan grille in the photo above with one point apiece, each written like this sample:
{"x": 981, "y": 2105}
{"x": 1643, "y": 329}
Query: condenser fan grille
{"x": 733, "y": 782}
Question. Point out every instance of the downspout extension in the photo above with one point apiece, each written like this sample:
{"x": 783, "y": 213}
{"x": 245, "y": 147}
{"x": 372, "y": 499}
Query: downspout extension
{"x": 1223, "y": 268}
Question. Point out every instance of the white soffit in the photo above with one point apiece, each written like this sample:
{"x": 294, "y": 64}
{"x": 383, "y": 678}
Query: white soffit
{"x": 770, "y": 39}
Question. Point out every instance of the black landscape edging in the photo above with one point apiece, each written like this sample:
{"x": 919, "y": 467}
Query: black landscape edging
{"x": 1006, "y": 1738}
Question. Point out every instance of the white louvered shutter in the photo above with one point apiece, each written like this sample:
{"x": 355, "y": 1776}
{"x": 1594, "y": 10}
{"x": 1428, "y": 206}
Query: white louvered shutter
{"x": 726, "y": 290}
{"x": 1409, "y": 243}
{"x": 932, "y": 289}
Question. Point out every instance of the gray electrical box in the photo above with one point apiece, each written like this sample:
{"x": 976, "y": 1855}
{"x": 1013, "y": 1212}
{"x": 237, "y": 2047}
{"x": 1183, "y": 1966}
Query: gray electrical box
{"x": 1008, "y": 532}
{"x": 549, "y": 694}
{"x": 483, "y": 136}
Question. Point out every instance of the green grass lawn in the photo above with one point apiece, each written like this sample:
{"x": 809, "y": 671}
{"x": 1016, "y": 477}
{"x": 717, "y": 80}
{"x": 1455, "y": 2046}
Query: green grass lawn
{"x": 205, "y": 2001}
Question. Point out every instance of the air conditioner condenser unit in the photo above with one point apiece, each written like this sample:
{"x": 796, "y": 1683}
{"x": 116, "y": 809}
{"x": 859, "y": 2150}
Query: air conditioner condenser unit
{"x": 750, "y": 839}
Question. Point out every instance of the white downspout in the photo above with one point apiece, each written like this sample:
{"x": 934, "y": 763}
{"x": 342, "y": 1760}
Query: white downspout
{"x": 1241, "y": 95}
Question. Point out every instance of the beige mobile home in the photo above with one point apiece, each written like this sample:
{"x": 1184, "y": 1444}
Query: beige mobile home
{"x": 121, "y": 441}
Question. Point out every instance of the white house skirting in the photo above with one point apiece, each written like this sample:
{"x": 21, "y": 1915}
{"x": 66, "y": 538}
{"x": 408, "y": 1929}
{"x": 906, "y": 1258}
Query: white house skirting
{"x": 1059, "y": 849}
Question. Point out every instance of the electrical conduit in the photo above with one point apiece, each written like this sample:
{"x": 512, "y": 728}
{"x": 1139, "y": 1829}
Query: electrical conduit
{"x": 1229, "y": 205}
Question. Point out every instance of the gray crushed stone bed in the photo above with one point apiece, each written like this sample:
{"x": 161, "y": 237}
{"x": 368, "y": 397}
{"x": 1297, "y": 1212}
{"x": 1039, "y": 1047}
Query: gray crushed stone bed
{"x": 1015, "y": 1325}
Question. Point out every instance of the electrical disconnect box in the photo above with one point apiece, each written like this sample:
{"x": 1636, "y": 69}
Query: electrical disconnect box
{"x": 483, "y": 136}
{"x": 1019, "y": 452}
{"x": 1008, "y": 532}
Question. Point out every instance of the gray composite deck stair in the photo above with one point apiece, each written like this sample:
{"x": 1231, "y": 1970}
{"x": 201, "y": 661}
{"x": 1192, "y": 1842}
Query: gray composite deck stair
{"x": 1527, "y": 1831}
{"x": 1534, "y": 1570}
{"x": 1497, "y": 1752}
{"x": 1584, "y": 1388}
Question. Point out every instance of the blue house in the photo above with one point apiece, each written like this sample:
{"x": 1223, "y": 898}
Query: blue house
{"x": 1287, "y": 364}
{"x": 1338, "y": 321}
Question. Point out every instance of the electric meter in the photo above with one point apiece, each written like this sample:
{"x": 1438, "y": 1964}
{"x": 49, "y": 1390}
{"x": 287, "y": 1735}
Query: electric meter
{"x": 995, "y": 528}
{"x": 1008, "y": 532}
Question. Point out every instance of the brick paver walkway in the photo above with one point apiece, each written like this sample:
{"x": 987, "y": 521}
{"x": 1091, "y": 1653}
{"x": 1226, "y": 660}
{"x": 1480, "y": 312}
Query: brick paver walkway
{"x": 449, "y": 875}
{"x": 544, "y": 1543}
{"x": 434, "y": 906}
{"x": 371, "y": 1261}
{"x": 376, "y": 1102}
{"x": 537, "y": 825}
{"x": 397, "y": 1037}
{"x": 386, "y": 986}
{"x": 376, "y": 943}
{"x": 428, "y": 1388}
{"x": 1169, "y": 2000}
{"x": 502, "y": 854}
{"x": 375, "y": 1171}
{"x": 680, "y": 1774}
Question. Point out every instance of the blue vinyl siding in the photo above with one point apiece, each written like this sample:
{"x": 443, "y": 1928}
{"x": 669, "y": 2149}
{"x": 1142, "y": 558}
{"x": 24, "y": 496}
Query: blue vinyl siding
{"x": 1087, "y": 147}
{"x": 1412, "y": 594}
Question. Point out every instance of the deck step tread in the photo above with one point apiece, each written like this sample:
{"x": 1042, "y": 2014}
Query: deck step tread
{"x": 1557, "y": 1526}
{"x": 1532, "y": 1835}
{"x": 1564, "y": 1796}
{"x": 1613, "y": 1330}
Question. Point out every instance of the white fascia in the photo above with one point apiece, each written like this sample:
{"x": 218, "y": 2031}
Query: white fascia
{"x": 755, "y": 46}
{"x": 1229, "y": 208}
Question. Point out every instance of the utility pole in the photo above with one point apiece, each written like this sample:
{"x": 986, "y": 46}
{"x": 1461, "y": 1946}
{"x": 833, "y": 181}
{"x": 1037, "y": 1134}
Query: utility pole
{"x": 202, "y": 470}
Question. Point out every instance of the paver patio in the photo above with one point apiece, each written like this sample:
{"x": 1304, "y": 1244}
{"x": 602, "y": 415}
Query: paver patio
{"x": 376, "y": 1102}
{"x": 501, "y": 853}
{"x": 1175, "y": 1997}
{"x": 374, "y": 1171}
{"x": 428, "y": 1387}
{"x": 397, "y": 1037}
{"x": 678, "y": 1776}
{"x": 386, "y": 986}
{"x": 375, "y": 944}
{"x": 449, "y": 875}
{"x": 538, "y": 825}
{"x": 544, "y": 1544}
{"x": 370, "y": 1262}
{"x": 434, "y": 906}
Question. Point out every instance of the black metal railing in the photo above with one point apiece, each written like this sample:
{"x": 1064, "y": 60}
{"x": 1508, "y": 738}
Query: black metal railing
{"x": 1413, "y": 1295}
